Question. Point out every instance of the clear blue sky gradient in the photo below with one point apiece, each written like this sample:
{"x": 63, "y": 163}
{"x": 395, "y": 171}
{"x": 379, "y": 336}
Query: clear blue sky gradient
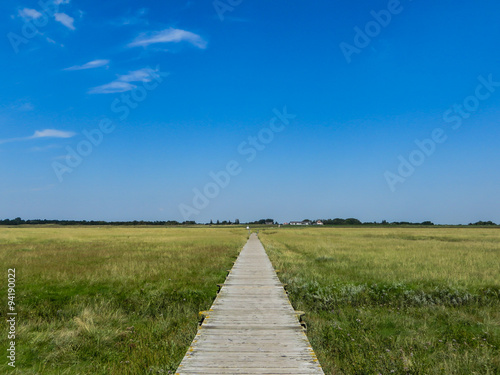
{"x": 354, "y": 120}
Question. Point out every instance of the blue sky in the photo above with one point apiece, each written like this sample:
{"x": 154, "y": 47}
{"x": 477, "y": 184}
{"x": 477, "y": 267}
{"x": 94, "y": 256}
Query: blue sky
{"x": 127, "y": 110}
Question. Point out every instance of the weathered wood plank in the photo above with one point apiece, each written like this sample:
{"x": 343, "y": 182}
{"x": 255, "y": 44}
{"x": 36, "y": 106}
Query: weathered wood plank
{"x": 251, "y": 327}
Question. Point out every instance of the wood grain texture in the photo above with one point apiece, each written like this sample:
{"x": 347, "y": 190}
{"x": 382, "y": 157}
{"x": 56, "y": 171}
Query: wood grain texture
{"x": 251, "y": 327}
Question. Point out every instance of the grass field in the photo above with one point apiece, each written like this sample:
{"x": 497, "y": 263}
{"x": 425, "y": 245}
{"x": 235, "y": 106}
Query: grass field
{"x": 110, "y": 300}
{"x": 395, "y": 300}
{"x": 117, "y": 300}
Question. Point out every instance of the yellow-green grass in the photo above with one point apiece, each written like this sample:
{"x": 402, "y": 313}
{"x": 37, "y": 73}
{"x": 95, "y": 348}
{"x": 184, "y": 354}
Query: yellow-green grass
{"x": 110, "y": 300}
{"x": 395, "y": 300}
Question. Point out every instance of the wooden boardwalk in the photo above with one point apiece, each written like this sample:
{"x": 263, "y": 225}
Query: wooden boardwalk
{"x": 251, "y": 327}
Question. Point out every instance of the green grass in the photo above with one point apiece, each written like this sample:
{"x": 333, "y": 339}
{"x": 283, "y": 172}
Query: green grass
{"x": 395, "y": 300}
{"x": 119, "y": 300}
{"x": 110, "y": 300}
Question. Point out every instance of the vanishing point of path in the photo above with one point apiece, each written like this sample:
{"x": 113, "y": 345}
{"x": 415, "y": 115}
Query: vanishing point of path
{"x": 251, "y": 327}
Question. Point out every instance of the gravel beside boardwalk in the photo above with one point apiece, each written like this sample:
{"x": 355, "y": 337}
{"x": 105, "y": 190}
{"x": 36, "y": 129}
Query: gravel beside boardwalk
{"x": 251, "y": 327}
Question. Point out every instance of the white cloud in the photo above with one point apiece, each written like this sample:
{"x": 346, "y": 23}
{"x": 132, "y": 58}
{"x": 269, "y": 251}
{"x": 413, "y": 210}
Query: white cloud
{"x": 29, "y": 13}
{"x": 52, "y": 133}
{"x": 112, "y": 87}
{"x": 169, "y": 35}
{"x": 141, "y": 75}
{"x": 65, "y": 20}
{"x": 46, "y": 133}
{"x": 90, "y": 65}
{"x": 57, "y": 2}
{"x": 122, "y": 83}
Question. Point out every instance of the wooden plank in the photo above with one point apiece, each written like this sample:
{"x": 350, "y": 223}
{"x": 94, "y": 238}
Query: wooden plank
{"x": 251, "y": 327}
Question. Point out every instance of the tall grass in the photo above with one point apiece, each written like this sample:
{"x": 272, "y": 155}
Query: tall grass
{"x": 111, "y": 300}
{"x": 395, "y": 300}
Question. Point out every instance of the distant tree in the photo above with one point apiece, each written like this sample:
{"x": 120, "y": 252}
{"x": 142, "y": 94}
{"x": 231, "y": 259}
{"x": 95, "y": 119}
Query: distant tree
{"x": 483, "y": 223}
{"x": 217, "y": 223}
{"x": 211, "y": 222}
{"x": 261, "y": 221}
{"x": 352, "y": 221}
{"x": 427, "y": 223}
{"x": 237, "y": 221}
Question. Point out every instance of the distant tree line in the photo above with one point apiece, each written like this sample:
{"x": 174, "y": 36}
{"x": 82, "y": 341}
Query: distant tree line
{"x": 483, "y": 223}
{"x": 263, "y": 222}
{"x": 19, "y": 221}
{"x": 353, "y": 221}
{"x": 224, "y": 222}
{"x": 237, "y": 221}
{"x": 337, "y": 221}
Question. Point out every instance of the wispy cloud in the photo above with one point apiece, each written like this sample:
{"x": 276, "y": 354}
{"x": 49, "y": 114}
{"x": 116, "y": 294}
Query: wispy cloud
{"x": 65, "y": 20}
{"x": 112, "y": 88}
{"x": 46, "y": 133}
{"x": 90, "y": 65}
{"x": 169, "y": 35}
{"x": 141, "y": 75}
{"x": 52, "y": 133}
{"x": 123, "y": 82}
{"x": 28, "y": 13}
